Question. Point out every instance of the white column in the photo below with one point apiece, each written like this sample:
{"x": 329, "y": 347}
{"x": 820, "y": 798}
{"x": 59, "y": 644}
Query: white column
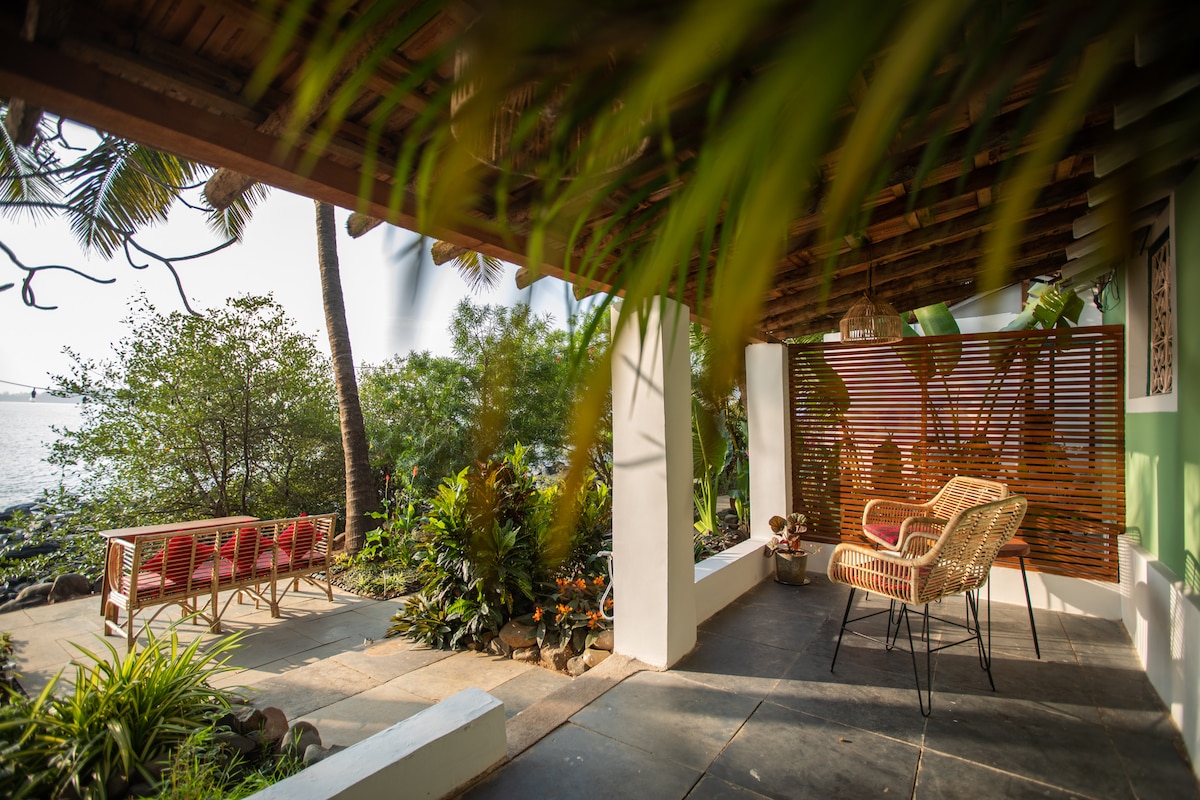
{"x": 652, "y": 486}
{"x": 770, "y": 436}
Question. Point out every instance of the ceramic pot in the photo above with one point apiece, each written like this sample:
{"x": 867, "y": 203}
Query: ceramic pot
{"x": 791, "y": 568}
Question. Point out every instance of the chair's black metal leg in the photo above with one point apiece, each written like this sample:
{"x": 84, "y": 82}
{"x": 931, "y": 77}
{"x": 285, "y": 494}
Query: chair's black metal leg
{"x": 842, "y": 630}
{"x": 1029, "y": 605}
{"x": 893, "y": 630}
{"x": 925, "y": 701}
{"x": 985, "y": 659}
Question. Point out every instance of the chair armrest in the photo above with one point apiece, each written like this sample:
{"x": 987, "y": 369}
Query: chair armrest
{"x": 882, "y": 512}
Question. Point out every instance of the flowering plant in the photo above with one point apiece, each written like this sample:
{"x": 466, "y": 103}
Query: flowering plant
{"x": 572, "y": 613}
{"x": 787, "y": 534}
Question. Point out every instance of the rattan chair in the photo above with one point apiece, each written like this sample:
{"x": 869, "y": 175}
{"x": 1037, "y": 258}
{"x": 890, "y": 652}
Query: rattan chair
{"x": 937, "y": 560}
{"x": 888, "y": 522}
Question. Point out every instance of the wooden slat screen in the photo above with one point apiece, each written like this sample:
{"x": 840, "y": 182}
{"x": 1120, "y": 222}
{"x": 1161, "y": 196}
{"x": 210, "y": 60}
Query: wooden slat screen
{"x": 1042, "y": 411}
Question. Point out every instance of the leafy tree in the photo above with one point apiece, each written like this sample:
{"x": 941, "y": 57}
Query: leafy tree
{"x": 206, "y": 416}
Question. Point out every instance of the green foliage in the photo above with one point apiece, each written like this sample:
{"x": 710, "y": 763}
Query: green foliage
{"x": 232, "y": 413}
{"x": 511, "y": 380}
{"x": 571, "y": 612}
{"x": 486, "y": 543}
{"x": 201, "y": 769}
{"x": 121, "y": 717}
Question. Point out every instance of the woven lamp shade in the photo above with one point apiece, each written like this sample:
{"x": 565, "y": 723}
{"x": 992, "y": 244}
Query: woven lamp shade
{"x": 492, "y": 141}
{"x": 871, "y": 321}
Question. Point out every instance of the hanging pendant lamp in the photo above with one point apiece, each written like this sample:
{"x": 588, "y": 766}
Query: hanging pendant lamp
{"x": 871, "y": 321}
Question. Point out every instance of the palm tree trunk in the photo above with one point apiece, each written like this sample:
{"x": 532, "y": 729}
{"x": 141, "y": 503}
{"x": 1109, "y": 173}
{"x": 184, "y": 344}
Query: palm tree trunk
{"x": 361, "y": 499}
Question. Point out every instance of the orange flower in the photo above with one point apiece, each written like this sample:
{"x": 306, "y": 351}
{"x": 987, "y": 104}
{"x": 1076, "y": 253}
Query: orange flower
{"x": 537, "y": 614}
{"x": 581, "y": 584}
{"x": 564, "y": 609}
{"x": 599, "y": 580}
{"x": 562, "y": 582}
{"x": 608, "y": 603}
{"x": 595, "y": 619}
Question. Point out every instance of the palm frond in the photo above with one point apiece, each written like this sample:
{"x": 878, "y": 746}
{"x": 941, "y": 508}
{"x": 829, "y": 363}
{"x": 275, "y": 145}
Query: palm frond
{"x": 120, "y": 187}
{"x": 230, "y": 222}
{"x": 26, "y": 183}
{"x": 480, "y": 272}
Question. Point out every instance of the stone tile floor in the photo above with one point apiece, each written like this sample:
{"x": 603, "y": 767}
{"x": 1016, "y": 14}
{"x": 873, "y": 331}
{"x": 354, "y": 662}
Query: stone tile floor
{"x": 327, "y": 663}
{"x": 752, "y": 712}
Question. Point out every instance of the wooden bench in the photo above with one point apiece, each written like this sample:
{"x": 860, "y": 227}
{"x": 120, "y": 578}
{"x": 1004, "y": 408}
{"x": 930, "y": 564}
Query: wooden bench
{"x": 190, "y": 564}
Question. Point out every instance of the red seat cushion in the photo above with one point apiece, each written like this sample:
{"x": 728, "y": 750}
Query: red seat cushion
{"x": 298, "y": 540}
{"x": 884, "y": 532}
{"x": 181, "y": 555}
{"x": 246, "y": 550}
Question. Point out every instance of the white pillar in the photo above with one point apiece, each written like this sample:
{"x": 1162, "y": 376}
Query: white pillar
{"x": 770, "y": 436}
{"x": 652, "y": 486}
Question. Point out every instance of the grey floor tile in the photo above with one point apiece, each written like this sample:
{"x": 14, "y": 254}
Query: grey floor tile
{"x": 524, "y": 690}
{"x": 1028, "y": 739}
{"x": 391, "y": 658}
{"x": 735, "y": 665}
{"x": 669, "y": 716}
{"x": 305, "y": 689}
{"x": 1157, "y": 767}
{"x": 710, "y": 788}
{"x": 573, "y": 763}
{"x": 786, "y": 754}
{"x": 785, "y": 631}
{"x": 945, "y": 778}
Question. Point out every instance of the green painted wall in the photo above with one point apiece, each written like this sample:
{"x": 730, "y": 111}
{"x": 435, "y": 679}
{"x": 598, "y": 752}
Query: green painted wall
{"x": 1163, "y": 449}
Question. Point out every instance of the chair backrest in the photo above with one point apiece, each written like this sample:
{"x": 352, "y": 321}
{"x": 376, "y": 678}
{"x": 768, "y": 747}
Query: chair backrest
{"x": 961, "y": 493}
{"x": 962, "y": 557}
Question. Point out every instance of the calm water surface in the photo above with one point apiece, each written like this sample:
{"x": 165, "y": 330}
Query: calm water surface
{"x": 25, "y": 437}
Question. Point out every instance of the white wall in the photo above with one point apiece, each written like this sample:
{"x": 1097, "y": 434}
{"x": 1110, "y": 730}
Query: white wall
{"x": 1163, "y": 619}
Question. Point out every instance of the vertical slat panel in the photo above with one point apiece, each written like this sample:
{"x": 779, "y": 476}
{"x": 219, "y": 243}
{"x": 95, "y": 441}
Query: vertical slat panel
{"x": 1042, "y": 411}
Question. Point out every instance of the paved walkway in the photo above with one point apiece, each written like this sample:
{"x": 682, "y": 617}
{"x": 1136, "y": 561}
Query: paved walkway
{"x": 752, "y": 712}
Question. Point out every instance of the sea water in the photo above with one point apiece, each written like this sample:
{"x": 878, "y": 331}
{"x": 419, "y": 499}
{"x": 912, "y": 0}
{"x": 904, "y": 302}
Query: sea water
{"x": 25, "y": 438}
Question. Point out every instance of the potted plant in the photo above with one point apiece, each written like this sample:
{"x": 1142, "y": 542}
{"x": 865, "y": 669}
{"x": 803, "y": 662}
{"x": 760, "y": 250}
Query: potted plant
{"x": 791, "y": 560}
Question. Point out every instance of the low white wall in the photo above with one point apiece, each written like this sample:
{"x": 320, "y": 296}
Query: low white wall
{"x": 728, "y": 575}
{"x": 428, "y": 755}
{"x": 1163, "y": 619}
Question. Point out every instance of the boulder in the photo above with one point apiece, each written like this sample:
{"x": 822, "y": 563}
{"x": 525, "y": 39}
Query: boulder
{"x": 236, "y": 743}
{"x": 498, "y": 647}
{"x": 521, "y": 632}
{"x": 315, "y": 752}
{"x": 527, "y": 655}
{"x": 18, "y": 604}
{"x": 275, "y": 725}
{"x": 556, "y": 658}
{"x": 576, "y": 667}
{"x": 299, "y": 737}
{"x": 592, "y": 656}
{"x": 604, "y": 641}
{"x": 69, "y": 585}
{"x": 248, "y": 718}
{"x": 36, "y": 590}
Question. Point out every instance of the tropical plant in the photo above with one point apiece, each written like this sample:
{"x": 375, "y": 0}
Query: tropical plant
{"x": 202, "y": 768}
{"x": 571, "y": 613}
{"x": 119, "y": 722}
{"x": 197, "y": 417}
{"x": 788, "y": 534}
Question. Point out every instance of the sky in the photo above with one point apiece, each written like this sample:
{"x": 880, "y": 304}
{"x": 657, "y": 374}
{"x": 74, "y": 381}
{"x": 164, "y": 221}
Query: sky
{"x": 391, "y": 307}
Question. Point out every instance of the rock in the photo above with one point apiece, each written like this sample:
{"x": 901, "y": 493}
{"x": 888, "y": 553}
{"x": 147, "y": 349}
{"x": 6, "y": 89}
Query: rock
{"x": 498, "y": 647}
{"x": 556, "y": 658}
{"x": 527, "y": 655}
{"x": 576, "y": 667}
{"x": 36, "y": 590}
{"x": 315, "y": 752}
{"x": 275, "y": 725}
{"x": 248, "y": 718}
{"x": 592, "y": 656}
{"x": 519, "y": 633}
{"x": 17, "y": 604}
{"x": 69, "y": 585}
{"x": 236, "y": 742}
{"x": 116, "y": 785}
{"x": 299, "y": 737}
{"x": 604, "y": 641}
{"x": 30, "y": 550}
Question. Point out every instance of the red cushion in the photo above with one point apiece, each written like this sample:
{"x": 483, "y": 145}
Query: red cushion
{"x": 247, "y": 548}
{"x": 884, "y": 532}
{"x": 298, "y": 539}
{"x": 175, "y": 560}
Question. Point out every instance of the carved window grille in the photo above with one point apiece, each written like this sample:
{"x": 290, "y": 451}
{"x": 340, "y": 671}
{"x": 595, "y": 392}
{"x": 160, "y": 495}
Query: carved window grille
{"x": 1162, "y": 319}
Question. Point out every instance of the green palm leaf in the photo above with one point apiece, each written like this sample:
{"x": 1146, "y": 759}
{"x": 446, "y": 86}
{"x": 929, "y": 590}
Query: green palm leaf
{"x": 26, "y": 182}
{"x": 120, "y": 187}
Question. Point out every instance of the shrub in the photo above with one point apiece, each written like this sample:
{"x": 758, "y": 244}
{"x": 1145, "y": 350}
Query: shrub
{"x": 120, "y": 722}
{"x": 202, "y": 769}
{"x": 572, "y": 613}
